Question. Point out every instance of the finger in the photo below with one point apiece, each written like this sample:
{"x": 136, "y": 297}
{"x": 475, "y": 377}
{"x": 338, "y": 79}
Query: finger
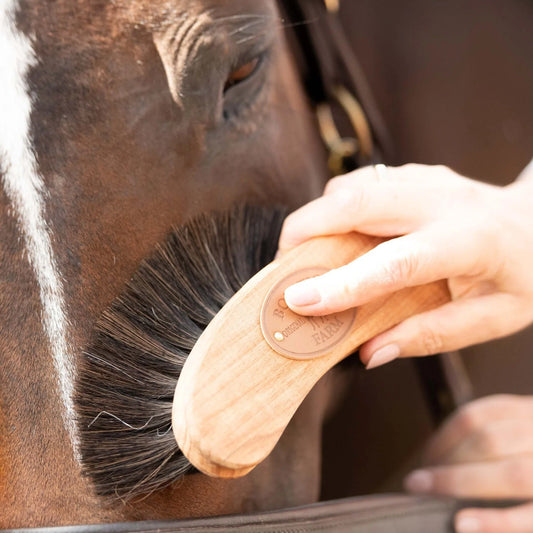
{"x": 474, "y": 416}
{"x": 452, "y": 326}
{"x": 414, "y": 259}
{"x": 504, "y": 479}
{"x": 496, "y": 440}
{"x": 517, "y": 519}
{"x": 362, "y": 201}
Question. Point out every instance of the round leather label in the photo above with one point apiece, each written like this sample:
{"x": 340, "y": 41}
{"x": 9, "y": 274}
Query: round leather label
{"x": 296, "y": 336}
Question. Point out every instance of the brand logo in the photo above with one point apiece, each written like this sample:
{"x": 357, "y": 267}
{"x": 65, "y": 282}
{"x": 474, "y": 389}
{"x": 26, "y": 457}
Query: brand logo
{"x": 296, "y": 336}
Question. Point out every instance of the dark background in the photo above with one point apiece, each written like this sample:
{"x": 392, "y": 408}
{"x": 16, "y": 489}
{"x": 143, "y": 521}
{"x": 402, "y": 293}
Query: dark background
{"x": 454, "y": 81}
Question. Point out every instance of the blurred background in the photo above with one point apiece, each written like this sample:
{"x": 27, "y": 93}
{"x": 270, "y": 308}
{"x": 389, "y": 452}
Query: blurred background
{"x": 454, "y": 81}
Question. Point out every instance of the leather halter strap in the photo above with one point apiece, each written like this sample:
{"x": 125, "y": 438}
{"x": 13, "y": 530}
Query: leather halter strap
{"x": 330, "y": 69}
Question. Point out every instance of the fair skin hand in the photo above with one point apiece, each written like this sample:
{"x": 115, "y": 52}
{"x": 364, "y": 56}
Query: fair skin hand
{"x": 480, "y": 239}
{"x": 441, "y": 226}
{"x": 485, "y": 451}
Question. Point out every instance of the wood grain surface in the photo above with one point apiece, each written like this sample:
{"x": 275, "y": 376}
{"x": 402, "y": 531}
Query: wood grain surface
{"x": 236, "y": 395}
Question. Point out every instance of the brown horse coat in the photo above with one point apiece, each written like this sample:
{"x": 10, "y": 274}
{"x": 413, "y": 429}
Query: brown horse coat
{"x": 123, "y": 123}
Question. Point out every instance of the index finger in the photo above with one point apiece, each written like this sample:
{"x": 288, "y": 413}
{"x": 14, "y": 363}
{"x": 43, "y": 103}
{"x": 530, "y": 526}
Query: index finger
{"x": 407, "y": 261}
{"x": 365, "y": 201}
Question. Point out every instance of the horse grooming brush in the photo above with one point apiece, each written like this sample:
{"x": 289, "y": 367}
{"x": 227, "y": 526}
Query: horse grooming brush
{"x": 129, "y": 368}
{"x": 256, "y": 361}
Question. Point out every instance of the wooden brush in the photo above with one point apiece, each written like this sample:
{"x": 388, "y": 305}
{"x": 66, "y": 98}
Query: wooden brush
{"x": 257, "y": 360}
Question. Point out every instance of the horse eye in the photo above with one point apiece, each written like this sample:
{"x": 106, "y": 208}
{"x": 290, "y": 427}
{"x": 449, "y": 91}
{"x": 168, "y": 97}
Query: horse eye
{"x": 242, "y": 73}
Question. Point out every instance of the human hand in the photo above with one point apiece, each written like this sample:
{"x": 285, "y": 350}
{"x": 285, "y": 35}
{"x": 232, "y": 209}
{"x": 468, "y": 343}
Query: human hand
{"x": 485, "y": 451}
{"x": 477, "y": 236}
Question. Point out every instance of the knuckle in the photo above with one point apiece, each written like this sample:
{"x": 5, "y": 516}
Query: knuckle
{"x": 518, "y": 474}
{"x": 470, "y": 195}
{"x": 488, "y": 443}
{"x": 339, "y": 290}
{"x": 441, "y": 169}
{"x": 468, "y": 418}
{"x": 400, "y": 269}
{"x": 289, "y": 231}
{"x": 335, "y": 184}
{"x": 347, "y": 289}
{"x": 447, "y": 480}
{"x": 439, "y": 173}
{"x": 430, "y": 340}
{"x": 290, "y": 220}
{"x": 351, "y": 200}
{"x": 408, "y": 168}
{"x": 503, "y": 520}
{"x": 487, "y": 406}
{"x": 346, "y": 293}
{"x": 411, "y": 172}
{"x": 508, "y": 520}
{"x": 497, "y": 399}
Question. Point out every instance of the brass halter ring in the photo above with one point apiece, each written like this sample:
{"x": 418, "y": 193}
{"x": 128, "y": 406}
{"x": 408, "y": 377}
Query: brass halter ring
{"x": 341, "y": 148}
{"x": 332, "y": 5}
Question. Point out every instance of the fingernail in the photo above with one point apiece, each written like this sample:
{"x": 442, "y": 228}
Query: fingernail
{"x": 383, "y": 355}
{"x": 419, "y": 481}
{"x": 302, "y": 294}
{"x": 467, "y": 524}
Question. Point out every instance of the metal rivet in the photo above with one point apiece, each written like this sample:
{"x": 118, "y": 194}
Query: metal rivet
{"x": 278, "y": 336}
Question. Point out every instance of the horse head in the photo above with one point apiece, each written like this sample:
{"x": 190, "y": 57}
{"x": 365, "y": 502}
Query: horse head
{"x": 119, "y": 121}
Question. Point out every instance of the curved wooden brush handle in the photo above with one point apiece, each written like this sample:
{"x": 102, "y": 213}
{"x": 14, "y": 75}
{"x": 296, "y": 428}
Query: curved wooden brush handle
{"x": 237, "y": 393}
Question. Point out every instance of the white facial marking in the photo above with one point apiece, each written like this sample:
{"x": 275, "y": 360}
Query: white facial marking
{"x": 25, "y": 189}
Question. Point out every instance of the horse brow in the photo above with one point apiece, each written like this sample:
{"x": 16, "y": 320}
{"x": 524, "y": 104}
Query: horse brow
{"x": 174, "y": 43}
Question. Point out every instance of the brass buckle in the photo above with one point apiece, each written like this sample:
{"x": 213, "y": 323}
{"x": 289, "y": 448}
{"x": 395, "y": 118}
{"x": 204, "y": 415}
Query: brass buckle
{"x": 332, "y": 5}
{"x": 344, "y": 149}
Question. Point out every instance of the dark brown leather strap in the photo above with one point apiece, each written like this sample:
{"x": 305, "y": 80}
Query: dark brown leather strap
{"x": 326, "y": 61}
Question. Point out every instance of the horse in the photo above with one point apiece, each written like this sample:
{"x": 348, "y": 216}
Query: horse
{"x": 121, "y": 119}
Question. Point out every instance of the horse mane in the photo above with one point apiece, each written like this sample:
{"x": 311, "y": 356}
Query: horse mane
{"x": 128, "y": 373}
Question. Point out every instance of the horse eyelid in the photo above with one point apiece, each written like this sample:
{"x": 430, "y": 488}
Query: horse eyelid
{"x": 242, "y": 74}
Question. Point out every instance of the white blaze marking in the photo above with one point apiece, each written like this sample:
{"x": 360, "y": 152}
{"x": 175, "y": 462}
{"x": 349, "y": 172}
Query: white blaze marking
{"x": 25, "y": 189}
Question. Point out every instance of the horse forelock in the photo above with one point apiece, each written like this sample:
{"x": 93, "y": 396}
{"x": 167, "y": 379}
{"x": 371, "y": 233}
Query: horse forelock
{"x": 25, "y": 189}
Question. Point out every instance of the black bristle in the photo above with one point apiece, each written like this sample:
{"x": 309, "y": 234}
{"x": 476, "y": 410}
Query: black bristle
{"x": 128, "y": 373}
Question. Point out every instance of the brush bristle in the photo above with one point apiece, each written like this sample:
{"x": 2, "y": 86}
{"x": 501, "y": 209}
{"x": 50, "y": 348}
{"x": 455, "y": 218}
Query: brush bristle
{"x": 128, "y": 373}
